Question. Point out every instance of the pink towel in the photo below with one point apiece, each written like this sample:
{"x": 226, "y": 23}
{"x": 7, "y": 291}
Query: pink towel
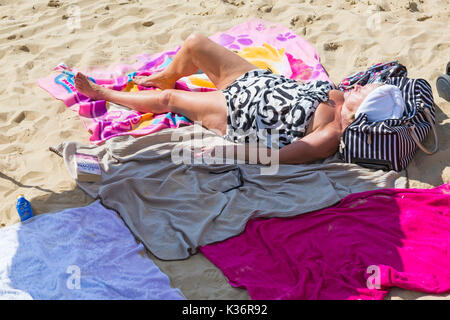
{"x": 357, "y": 249}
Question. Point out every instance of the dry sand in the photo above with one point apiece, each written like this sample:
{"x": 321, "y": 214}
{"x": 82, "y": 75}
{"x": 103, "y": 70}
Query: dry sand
{"x": 34, "y": 37}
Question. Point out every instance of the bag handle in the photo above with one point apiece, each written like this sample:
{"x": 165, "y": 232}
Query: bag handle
{"x": 416, "y": 139}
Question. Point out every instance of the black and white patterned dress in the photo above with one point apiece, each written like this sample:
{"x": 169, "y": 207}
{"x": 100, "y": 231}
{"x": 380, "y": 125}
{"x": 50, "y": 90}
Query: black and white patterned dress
{"x": 272, "y": 109}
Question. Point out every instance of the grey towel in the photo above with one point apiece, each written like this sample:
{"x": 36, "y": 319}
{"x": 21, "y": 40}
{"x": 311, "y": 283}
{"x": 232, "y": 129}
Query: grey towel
{"x": 174, "y": 208}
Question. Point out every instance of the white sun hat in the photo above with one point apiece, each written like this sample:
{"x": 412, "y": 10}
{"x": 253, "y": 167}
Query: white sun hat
{"x": 385, "y": 102}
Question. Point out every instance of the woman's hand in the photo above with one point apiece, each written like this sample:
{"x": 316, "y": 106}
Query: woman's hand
{"x": 243, "y": 153}
{"x": 206, "y": 152}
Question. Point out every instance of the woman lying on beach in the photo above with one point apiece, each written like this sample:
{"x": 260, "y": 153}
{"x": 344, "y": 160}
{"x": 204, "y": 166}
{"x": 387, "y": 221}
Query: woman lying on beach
{"x": 250, "y": 105}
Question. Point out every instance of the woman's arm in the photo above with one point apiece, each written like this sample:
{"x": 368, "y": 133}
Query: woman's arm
{"x": 320, "y": 144}
{"x": 243, "y": 153}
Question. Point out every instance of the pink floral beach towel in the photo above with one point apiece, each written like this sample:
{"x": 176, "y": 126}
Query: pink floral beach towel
{"x": 265, "y": 44}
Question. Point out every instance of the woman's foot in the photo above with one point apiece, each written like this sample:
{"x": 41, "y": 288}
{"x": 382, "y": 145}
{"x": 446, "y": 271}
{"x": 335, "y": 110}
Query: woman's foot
{"x": 88, "y": 88}
{"x": 155, "y": 80}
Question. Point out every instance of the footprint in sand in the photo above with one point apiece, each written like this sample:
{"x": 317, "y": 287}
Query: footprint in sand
{"x": 331, "y": 46}
{"x": 54, "y": 4}
{"x": 412, "y": 6}
{"x": 28, "y": 115}
{"x": 265, "y": 8}
{"x": 19, "y": 117}
{"x": 215, "y": 276}
{"x": 24, "y": 49}
{"x": 148, "y": 23}
{"x": 66, "y": 134}
{"x": 236, "y": 3}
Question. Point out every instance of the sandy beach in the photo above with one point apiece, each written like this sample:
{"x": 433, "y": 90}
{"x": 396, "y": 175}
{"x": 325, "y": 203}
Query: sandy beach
{"x": 35, "y": 36}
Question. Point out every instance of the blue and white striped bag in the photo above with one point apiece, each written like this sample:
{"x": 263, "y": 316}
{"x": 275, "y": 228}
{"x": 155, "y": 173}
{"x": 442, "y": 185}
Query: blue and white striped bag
{"x": 390, "y": 144}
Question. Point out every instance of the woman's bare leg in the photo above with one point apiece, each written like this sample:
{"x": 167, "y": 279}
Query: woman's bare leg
{"x": 142, "y": 101}
{"x": 221, "y": 65}
{"x": 207, "y": 108}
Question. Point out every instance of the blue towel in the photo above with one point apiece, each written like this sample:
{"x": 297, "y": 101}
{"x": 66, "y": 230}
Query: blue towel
{"x": 80, "y": 253}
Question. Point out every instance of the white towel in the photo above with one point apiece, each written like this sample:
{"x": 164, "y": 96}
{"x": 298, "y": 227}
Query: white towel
{"x": 385, "y": 102}
{"x": 81, "y": 253}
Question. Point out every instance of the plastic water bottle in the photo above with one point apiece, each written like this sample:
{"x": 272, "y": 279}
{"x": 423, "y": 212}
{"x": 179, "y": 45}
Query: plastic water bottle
{"x": 23, "y": 207}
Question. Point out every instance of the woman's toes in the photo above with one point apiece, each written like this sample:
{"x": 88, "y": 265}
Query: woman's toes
{"x": 78, "y": 76}
{"x": 79, "y": 82}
